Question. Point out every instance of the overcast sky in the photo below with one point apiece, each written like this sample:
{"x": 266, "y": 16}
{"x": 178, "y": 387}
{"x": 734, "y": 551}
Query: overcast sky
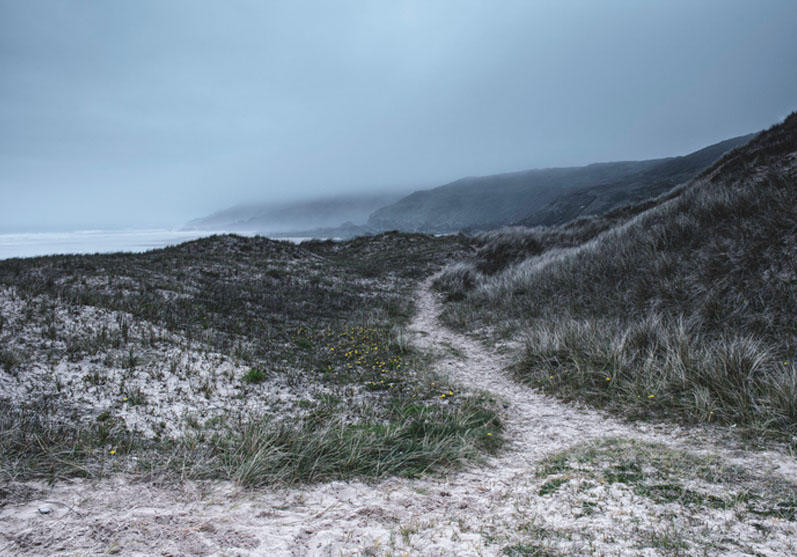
{"x": 149, "y": 113}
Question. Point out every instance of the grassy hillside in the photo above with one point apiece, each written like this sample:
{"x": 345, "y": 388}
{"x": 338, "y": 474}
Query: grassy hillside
{"x": 683, "y": 306}
{"x": 230, "y": 357}
{"x": 545, "y": 196}
{"x": 603, "y": 197}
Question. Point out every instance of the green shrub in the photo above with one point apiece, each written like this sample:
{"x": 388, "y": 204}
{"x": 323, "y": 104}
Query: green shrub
{"x": 254, "y": 375}
{"x": 8, "y": 360}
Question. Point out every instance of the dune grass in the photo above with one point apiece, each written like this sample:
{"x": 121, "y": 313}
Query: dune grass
{"x": 682, "y": 306}
{"x": 659, "y": 369}
{"x": 416, "y": 439}
{"x": 412, "y": 439}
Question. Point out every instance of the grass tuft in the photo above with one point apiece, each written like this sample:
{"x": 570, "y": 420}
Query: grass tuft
{"x": 254, "y": 375}
{"x": 417, "y": 440}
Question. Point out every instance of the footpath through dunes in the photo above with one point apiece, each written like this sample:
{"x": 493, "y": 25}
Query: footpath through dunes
{"x": 570, "y": 481}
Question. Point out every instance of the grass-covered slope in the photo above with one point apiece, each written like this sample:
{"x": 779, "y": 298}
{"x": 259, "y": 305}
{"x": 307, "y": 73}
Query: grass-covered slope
{"x": 604, "y": 196}
{"x": 229, "y": 357}
{"x": 683, "y": 306}
{"x": 543, "y": 196}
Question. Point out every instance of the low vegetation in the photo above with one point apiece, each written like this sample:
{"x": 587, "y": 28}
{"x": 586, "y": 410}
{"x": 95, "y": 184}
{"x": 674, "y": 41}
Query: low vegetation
{"x": 655, "y": 369}
{"x": 677, "y": 502}
{"x": 230, "y": 357}
{"x": 666, "y": 475}
{"x": 407, "y": 439}
{"x": 680, "y": 307}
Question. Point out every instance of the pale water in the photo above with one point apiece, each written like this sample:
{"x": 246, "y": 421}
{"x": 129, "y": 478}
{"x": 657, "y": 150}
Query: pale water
{"x": 99, "y": 241}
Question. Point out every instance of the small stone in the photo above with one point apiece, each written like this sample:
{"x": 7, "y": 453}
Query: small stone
{"x": 45, "y": 510}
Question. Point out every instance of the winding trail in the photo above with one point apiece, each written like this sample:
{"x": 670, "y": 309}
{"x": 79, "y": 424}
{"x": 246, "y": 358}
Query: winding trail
{"x": 535, "y": 424}
{"x": 477, "y": 511}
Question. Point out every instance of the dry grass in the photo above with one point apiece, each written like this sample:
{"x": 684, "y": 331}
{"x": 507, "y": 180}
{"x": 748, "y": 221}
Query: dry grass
{"x": 664, "y": 369}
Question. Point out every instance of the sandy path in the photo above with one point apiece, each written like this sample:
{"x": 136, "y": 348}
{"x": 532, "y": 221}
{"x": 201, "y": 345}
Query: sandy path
{"x": 474, "y": 512}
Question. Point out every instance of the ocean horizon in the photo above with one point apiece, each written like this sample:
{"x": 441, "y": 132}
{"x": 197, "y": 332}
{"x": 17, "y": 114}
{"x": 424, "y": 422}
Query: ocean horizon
{"x": 82, "y": 242}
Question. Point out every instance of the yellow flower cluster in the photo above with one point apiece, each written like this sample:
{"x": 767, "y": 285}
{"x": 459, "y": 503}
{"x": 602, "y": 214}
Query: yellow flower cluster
{"x": 366, "y": 355}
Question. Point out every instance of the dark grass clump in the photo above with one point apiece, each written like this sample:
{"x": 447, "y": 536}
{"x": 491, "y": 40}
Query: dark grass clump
{"x": 410, "y": 439}
{"x": 32, "y": 445}
{"x": 255, "y": 375}
{"x": 415, "y": 440}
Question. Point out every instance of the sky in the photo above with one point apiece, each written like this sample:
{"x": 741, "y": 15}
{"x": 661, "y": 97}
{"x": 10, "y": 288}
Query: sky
{"x": 150, "y": 113}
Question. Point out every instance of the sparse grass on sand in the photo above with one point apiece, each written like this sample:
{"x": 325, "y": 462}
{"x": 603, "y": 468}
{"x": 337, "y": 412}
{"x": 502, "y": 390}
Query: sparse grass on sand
{"x": 229, "y": 357}
{"x": 675, "y": 502}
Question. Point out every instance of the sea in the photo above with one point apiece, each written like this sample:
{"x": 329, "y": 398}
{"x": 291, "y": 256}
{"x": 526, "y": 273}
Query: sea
{"x": 33, "y": 244}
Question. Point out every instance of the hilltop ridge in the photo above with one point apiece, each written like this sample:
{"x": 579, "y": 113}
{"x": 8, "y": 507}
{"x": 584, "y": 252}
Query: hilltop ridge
{"x": 543, "y": 196}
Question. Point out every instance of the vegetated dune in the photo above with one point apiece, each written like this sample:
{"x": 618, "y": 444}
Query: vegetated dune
{"x": 681, "y": 306}
{"x": 228, "y": 357}
{"x": 571, "y": 481}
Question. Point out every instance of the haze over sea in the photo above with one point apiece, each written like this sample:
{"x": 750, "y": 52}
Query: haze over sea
{"x": 32, "y": 244}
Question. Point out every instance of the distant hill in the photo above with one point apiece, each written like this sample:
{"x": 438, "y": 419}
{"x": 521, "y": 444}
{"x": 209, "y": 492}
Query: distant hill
{"x": 547, "y": 196}
{"x": 645, "y": 184}
{"x": 543, "y": 196}
{"x": 289, "y": 217}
